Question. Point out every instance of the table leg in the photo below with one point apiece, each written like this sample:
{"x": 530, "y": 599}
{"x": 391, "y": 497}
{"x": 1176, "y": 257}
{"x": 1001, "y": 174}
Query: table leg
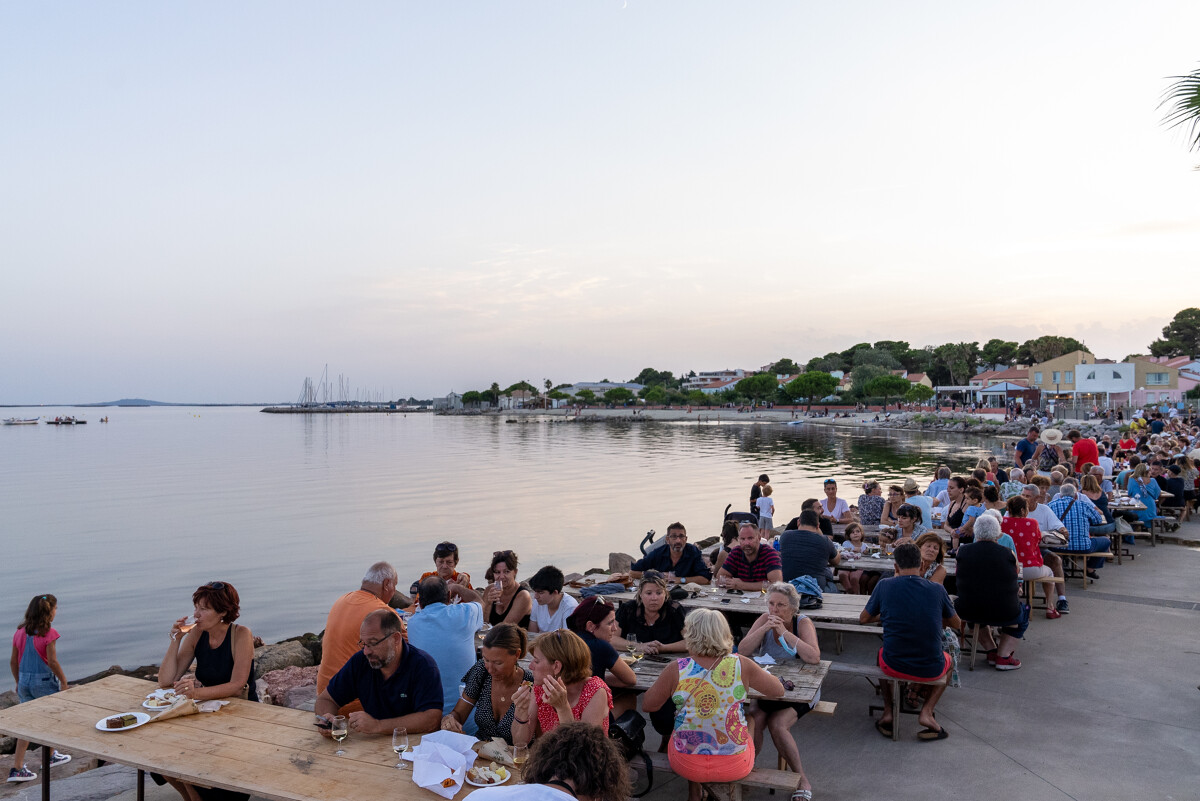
{"x": 141, "y": 785}
{"x": 46, "y": 752}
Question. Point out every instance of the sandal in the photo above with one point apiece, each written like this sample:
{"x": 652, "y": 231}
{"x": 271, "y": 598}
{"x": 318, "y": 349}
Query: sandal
{"x": 802, "y": 795}
{"x": 884, "y": 728}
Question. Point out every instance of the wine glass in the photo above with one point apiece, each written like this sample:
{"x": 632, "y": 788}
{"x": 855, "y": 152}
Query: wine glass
{"x": 763, "y": 588}
{"x": 339, "y": 732}
{"x": 188, "y": 624}
{"x": 400, "y": 745}
{"x": 520, "y": 755}
{"x": 631, "y": 644}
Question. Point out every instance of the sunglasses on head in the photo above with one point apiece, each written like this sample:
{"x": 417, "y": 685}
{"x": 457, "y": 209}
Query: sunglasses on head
{"x": 215, "y": 585}
{"x": 445, "y": 549}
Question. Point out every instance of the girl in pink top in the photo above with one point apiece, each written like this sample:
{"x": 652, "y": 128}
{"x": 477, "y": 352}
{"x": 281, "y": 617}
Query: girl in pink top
{"x": 35, "y": 668}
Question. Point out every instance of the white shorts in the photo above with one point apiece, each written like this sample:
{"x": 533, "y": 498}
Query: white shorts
{"x": 1036, "y": 572}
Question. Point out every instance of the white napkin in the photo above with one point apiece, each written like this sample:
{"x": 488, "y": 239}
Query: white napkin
{"x": 765, "y": 659}
{"x": 442, "y": 755}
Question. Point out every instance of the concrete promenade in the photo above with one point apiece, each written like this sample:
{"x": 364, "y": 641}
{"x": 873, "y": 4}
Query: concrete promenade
{"x": 1105, "y": 707}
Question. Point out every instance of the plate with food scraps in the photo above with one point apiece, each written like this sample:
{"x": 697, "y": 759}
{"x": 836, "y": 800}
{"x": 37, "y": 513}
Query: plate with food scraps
{"x": 160, "y": 699}
{"x": 122, "y": 722}
{"x": 487, "y": 777}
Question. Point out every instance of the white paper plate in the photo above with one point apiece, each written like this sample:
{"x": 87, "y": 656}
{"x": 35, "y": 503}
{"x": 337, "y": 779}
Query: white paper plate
{"x": 142, "y": 720}
{"x": 159, "y": 694}
{"x": 493, "y": 784}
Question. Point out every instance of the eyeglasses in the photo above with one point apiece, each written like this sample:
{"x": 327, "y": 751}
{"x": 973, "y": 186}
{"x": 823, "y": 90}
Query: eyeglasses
{"x": 215, "y": 585}
{"x": 362, "y": 646}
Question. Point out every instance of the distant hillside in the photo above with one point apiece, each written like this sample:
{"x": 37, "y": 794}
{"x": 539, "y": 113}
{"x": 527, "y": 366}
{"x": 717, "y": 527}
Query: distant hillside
{"x": 132, "y": 402}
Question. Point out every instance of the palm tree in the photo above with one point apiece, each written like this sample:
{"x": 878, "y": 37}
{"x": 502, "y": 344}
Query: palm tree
{"x": 1183, "y": 100}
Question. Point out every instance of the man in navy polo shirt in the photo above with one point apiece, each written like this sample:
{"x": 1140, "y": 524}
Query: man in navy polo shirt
{"x": 677, "y": 558}
{"x": 397, "y": 684}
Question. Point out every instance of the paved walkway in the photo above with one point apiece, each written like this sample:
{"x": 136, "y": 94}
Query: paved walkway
{"x": 1105, "y": 707}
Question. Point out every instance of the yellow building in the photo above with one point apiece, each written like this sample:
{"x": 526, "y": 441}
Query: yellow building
{"x": 1056, "y": 377}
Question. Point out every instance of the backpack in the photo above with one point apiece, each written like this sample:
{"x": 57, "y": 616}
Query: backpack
{"x": 629, "y": 733}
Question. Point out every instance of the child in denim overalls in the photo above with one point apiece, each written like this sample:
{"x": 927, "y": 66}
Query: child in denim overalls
{"x": 36, "y": 672}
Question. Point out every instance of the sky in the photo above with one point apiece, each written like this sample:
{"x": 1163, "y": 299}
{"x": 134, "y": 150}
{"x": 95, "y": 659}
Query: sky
{"x": 208, "y": 202}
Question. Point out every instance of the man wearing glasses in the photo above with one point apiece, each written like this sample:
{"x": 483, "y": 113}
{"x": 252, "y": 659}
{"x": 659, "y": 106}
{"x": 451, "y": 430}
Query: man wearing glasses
{"x": 679, "y": 562}
{"x": 398, "y": 685}
{"x": 346, "y": 617}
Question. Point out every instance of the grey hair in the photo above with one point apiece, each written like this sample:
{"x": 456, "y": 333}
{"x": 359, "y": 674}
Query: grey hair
{"x": 987, "y": 528}
{"x": 789, "y": 590}
{"x": 379, "y": 573}
{"x": 1067, "y": 490}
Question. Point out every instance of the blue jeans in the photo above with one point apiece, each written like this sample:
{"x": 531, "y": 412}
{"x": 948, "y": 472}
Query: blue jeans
{"x": 1099, "y": 544}
{"x": 1107, "y": 528}
{"x": 36, "y": 685}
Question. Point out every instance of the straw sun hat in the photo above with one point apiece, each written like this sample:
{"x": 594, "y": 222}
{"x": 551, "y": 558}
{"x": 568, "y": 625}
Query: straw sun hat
{"x": 1051, "y": 436}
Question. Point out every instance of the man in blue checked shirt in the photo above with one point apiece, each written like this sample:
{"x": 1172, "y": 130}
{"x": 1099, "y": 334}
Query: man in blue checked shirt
{"x": 1079, "y": 514}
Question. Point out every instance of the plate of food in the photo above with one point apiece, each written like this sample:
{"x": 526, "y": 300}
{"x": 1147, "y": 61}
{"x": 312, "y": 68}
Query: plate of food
{"x": 123, "y": 722}
{"x": 487, "y": 776}
{"x": 160, "y": 699}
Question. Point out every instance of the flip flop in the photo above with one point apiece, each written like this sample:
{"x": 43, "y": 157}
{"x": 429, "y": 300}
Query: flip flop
{"x": 884, "y": 728}
{"x": 932, "y": 734}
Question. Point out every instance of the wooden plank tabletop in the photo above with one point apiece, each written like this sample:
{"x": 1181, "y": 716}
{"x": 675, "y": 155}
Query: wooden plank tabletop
{"x": 268, "y": 751}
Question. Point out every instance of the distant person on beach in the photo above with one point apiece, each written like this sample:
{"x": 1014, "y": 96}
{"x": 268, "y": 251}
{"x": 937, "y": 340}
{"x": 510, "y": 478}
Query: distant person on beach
{"x": 766, "y": 510}
{"x": 345, "y": 619}
{"x": 397, "y": 684}
{"x": 756, "y": 492}
{"x": 36, "y": 671}
{"x": 550, "y": 605}
{"x": 445, "y": 564}
{"x": 446, "y": 631}
{"x": 679, "y": 562}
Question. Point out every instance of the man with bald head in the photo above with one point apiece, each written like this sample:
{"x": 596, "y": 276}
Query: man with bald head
{"x": 346, "y": 616}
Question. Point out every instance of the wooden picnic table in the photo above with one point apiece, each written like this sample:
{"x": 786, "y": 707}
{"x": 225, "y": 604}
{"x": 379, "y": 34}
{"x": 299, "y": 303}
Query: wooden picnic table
{"x": 872, "y": 564}
{"x": 268, "y": 751}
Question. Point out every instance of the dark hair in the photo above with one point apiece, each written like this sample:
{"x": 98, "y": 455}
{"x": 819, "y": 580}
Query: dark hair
{"x": 507, "y": 637}
{"x": 221, "y": 597}
{"x": 810, "y": 518}
{"x": 959, "y": 482}
{"x": 808, "y": 504}
{"x": 432, "y": 591}
{"x": 975, "y": 493}
{"x": 729, "y": 531}
{"x": 38, "y": 614}
{"x": 1016, "y": 506}
{"x": 389, "y": 622}
{"x": 590, "y": 610}
{"x": 676, "y": 526}
{"x": 932, "y": 536}
{"x": 979, "y": 474}
{"x": 991, "y": 494}
{"x": 763, "y": 477}
{"x": 911, "y": 510}
{"x": 907, "y": 556}
{"x": 444, "y": 549}
{"x": 581, "y": 754}
{"x": 509, "y": 558}
{"x": 547, "y": 579}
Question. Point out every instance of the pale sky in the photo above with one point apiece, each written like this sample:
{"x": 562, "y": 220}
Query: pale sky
{"x": 209, "y": 201}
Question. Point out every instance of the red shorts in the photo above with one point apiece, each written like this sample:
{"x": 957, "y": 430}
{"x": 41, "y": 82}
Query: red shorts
{"x": 895, "y": 674}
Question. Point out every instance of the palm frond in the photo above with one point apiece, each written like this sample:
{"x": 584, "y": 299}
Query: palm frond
{"x": 1183, "y": 101}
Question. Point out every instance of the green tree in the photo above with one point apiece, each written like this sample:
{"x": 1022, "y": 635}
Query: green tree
{"x": 918, "y": 393}
{"x": 785, "y": 367}
{"x": 861, "y": 376}
{"x": 758, "y": 387}
{"x": 827, "y": 363}
{"x": 472, "y": 397}
{"x": 493, "y": 394}
{"x": 899, "y": 350}
{"x": 887, "y": 386}
{"x": 650, "y": 377}
{"x": 958, "y": 360}
{"x": 525, "y": 385}
{"x": 655, "y": 395}
{"x": 619, "y": 395}
{"x": 586, "y": 397}
{"x": 879, "y": 358}
{"x": 1047, "y": 347}
{"x": 1181, "y": 336}
{"x": 1183, "y": 101}
{"x": 698, "y": 398}
{"x": 811, "y": 386}
{"x": 999, "y": 351}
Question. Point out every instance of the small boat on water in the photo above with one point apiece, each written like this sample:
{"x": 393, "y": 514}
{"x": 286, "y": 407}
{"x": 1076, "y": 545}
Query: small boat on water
{"x": 20, "y": 421}
{"x": 66, "y": 421}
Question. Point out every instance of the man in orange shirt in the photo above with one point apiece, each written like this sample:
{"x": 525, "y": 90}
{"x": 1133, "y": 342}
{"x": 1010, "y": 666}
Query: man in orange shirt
{"x": 346, "y": 617}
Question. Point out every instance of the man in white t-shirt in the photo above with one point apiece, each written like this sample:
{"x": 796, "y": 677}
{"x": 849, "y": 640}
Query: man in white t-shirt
{"x": 550, "y": 606}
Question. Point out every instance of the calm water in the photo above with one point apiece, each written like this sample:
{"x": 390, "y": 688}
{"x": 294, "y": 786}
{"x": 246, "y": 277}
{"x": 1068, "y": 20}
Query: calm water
{"x": 122, "y": 521}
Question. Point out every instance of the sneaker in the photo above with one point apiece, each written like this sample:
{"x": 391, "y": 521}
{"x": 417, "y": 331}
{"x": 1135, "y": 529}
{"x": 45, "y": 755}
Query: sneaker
{"x": 59, "y": 759}
{"x": 1053, "y": 614}
{"x": 1061, "y": 607}
{"x": 1008, "y": 662}
{"x": 24, "y": 774}
{"x": 991, "y": 656}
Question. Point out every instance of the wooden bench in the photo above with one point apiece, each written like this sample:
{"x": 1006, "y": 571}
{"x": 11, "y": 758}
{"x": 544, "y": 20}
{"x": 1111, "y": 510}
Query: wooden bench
{"x": 876, "y": 677}
{"x": 1075, "y": 563}
{"x": 1028, "y": 589}
{"x": 839, "y": 629}
{"x": 769, "y": 778}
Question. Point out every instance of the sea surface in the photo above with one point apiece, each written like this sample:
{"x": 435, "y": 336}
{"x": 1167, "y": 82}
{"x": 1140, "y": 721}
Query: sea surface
{"x": 122, "y": 521}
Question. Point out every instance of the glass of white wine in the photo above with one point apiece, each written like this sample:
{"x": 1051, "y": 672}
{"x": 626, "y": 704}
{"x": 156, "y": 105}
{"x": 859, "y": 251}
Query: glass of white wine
{"x": 339, "y": 732}
{"x": 520, "y": 757}
{"x": 400, "y": 745}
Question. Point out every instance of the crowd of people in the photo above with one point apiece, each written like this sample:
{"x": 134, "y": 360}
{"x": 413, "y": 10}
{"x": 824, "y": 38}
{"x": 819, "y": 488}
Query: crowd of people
{"x": 547, "y": 673}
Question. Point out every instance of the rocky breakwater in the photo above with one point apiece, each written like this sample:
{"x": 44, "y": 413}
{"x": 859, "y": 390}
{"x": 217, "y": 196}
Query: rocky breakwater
{"x": 971, "y": 424}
